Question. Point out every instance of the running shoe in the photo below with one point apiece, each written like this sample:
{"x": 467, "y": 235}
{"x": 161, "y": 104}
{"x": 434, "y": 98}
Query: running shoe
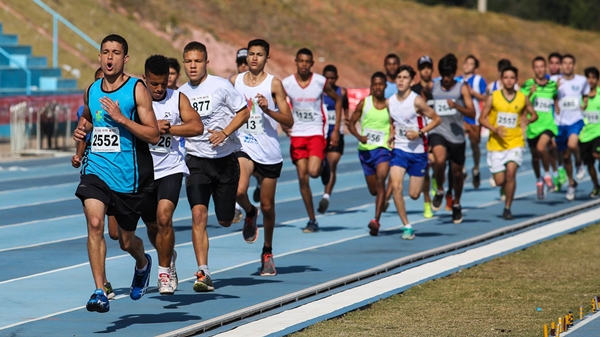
{"x": 595, "y": 192}
{"x": 164, "y": 284}
{"x": 325, "y": 173}
{"x": 408, "y": 233}
{"x": 108, "y": 289}
{"x": 457, "y": 216}
{"x": 427, "y": 213}
{"x": 557, "y": 184}
{"x": 507, "y": 215}
{"x": 256, "y": 194}
{"x": 502, "y": 194}
{"x": 386, "y": 204}
{"x": 323, "y": 205}
{"x": 98, "y": 302}
{"x": 580, "y": 172}
{"x": 140, "y": 282}
{"x": 267, "y": 265}
{"x": 436, "y": 204}
{"x": 250, "y": 231}
{"x": 476, "y": 178}
{"x": 540, "y": 189}
{"x": 492, "y": 182}
{"x": 562, "y": 175}
{"x": 174, "y": 278}
{"x": 571, "y": 192}
{"x": 238, "y": 215}
{"x": 374, "y": 227}
{"x": 549, "y": 183}
{"x": 449, "y": 201}
{"x": 311, "y": 227}
{"x": 203, "y": 282}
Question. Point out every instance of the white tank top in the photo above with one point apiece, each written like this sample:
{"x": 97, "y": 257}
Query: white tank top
{"x": 405, "y": 118}
{"x": 167, "y": 154}
{"x": 259, "y": 134}
{"x": 307, "y": 105}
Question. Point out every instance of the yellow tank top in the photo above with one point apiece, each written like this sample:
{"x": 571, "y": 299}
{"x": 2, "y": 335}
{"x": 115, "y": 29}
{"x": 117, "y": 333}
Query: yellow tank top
{"x": 507, "y": 114}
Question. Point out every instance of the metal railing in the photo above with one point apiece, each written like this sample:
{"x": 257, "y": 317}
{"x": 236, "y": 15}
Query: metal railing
{"x": 23, "y": 67}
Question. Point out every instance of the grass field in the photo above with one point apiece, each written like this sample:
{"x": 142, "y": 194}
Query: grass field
{"x": 497, "y": 298}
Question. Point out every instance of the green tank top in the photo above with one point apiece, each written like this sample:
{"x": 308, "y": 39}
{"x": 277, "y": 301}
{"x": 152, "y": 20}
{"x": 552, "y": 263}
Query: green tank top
{"x": 543, "y": 104}
{"x": 375, "y": 125}
{"x": 591, "y": 118}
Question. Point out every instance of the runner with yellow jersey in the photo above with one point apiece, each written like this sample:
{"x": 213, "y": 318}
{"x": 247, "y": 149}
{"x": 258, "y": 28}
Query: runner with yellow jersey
{"x": 504, "y": 112}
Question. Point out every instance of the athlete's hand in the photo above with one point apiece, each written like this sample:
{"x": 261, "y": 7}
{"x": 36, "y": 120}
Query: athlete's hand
{"x": 451, "y": 104}
{"x": 79, "y": 134}
{"x": 164, "y": 126}
{"x": 584, "y": 106}
{"x": 217, "y": 137}
{"x": 501, "y": 131}
{"x": 112, "y": 107}
{"x": 363, "y": 139}
{"x": 533, "y": 89}
{"x": 263, "y": 103}
{"x": 335, "y": 138}
{"x": 412, "y": 134}
{"x": 76, "y": 161}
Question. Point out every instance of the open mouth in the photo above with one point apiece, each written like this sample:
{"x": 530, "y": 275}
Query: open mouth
{"x": 109, "y": 66}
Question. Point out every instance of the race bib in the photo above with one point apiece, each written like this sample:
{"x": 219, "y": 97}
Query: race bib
{"x": 401, "y": 130}
{"x": 331, "y": 117}
{"x": 442, "y": 108}
{"x": 569, "y": 103}
{"x": 254, "y": 125}
{"x": 202, "y": 105}
{"x": 304, "y": 114}
{"x": 591, "y": 116}
{"x": 106, "y": 139}
{"x": 374, "y": 137}
{"x": 543, "y": 104}
{"x": 163, "y": 145}
{"x": 507, "y": 120}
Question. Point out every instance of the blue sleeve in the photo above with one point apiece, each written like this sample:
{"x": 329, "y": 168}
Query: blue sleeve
{"x": 79, "y": 112}
{"x": 482, "y": 85}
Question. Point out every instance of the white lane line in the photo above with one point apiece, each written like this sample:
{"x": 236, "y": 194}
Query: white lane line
{"x": 64, "y": 217}
{"x": 583, "y": 323}
{"x": 36, "y": 188}
{"x": 38, "y": 203}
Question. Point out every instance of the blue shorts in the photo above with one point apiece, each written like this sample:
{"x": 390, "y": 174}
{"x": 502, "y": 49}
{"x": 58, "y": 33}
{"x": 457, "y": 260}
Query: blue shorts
{"x": 564, "y": 131}
{"x": 370, "y": 159}
{"x": 414, "y": 163}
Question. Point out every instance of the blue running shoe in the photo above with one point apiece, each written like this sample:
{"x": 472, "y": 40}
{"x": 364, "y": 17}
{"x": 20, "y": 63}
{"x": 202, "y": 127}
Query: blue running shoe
{"x": 98, "y": 302}
{"x": 140, "y": 281}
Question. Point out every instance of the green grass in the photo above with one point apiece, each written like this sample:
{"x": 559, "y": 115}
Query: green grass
{"x": 497, "y": 298}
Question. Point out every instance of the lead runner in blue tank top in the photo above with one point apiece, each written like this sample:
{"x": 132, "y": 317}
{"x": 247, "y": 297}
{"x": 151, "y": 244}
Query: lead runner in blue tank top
{"x": 118, "y": 171}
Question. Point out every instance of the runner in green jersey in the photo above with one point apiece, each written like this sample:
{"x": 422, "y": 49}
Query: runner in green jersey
{"x": 543, "y": 95}
{"x": 589, "y": 138}
{"x": 373, "y": 150}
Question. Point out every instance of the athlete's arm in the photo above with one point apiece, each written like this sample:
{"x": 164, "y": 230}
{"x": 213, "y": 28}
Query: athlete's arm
{"x": 84, "y": 125}
{"x": 335, "y": 135}
{"x": 392, "y": 133}
{"x": 468, "y": 110}
{"x": 241, "y": 117}
{"x": 533, "y": 116}
{"x": 354, "y": 119}
{"x": 345, "y": 106}
{"x": 284, "y": 116}
{"x": 147, "y": 129}
{"x": 484, "y": 121}
{"x": 425, "y": 110}
{"x": 192, "y": 123}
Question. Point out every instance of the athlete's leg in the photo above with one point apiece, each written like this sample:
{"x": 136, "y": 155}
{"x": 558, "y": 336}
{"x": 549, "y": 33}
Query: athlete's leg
{"x": 371, "y": 181}
{"x": 267, "y": 206}
{"x": 396, "y": 180}
{"x": 573, "y": 144}
{"x": 333, "y": 158}
{"x": 314, "y": 165}
{"x": 302, "y": 168}
{"x": 94, "y": 211}
{"x": 457, "y": 182}
{"x": 113, "y": 228}
{"x": 165, "y": 238}
{"x": 543, "y": 143}
{"x": 381, "y": 174}
{"x": 552, "y": 155}
{"x": 199, "y": 233}
{"x": 246, "y": 169}
{"x": 536, "y": 156}
{"x": 474, "y": 132}
{"x": 415, "y": 187}
{"x": 439, "y": 166}
{"x": 568, "y": 164}
{"x": 510, "y": 184}
{"x": 132, "y": 244}
{"x": 592, "y": 171}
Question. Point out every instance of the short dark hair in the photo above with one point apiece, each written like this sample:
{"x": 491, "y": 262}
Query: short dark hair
{"x": 509, "y": 68}
{"x": 173, "y": 63}
{"x": 406, "y": 67}
{"x": 472, "y": 57}
{"x": 197, "y": 46}
{"x": 157, "y": 65}
{"x": 330, "y": 68}
{"x": 555, "y": 54}
{"x": 392, "y": 56}
{"x": 569, "y": 56}
{"x": 304, "y": 51}
{"x": 99, "y": 70}
{"x": 503, "y": 63}
{"x": 448, "y": 65}
{"x": 591, "y": 71}
{"x": 378, "y": 74}
{"x": 538, "y": 58}
{"x": 260, "y": 43}
{"x": 118, "y": 39}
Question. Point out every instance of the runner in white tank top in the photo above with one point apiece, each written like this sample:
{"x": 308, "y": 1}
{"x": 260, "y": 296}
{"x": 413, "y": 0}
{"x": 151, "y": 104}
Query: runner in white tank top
{"x": 307, "y": 142}
{"x": 261, "y": 152}
{"x": 171, "y": 109}
{"x": 408, "y": 139}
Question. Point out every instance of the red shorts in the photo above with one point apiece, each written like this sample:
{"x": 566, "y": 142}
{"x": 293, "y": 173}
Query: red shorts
{"x": 304, "y": 147}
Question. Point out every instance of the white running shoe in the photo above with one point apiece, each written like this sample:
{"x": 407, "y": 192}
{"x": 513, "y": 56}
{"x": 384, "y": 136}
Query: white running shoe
{"x": 570, "y": 193}
{"x": 174, "y": 279}
{"x": 580, "y": 172}
{"x": 164, "y": 284}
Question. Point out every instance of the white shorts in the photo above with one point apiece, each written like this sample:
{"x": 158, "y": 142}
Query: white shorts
{"x": 497, "y": 160}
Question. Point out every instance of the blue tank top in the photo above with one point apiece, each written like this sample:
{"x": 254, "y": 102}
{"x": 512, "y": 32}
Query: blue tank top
{"x": 116, "y": 156}
{"x": 330, "y": 106}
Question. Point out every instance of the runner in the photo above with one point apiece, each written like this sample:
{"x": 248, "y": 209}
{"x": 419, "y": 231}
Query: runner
{"x": 261, "y": 151}
{"x": 174, "y": 71}
{"x": 307, "y": 137}
{"x": 477, "y": 87}
{"x": 118, "y": 171}
{"x": 241, "y": 60}
{"x": 334, "y": 153}
{"x": 497, "y": 85}
{"x": 409, "y": 140}
{"x": 448, "y": 139}
{"x": 391, "y": 64}
{"x": 554, "y": 65}
{"x": 543, "y": 95}
{"x": 373, "y": 148}
{"x": 423, "y": 89}
{"x": 504, "y": 113}
{"x": 214, "y": 169}
{"x": 176, "y": 118}
{"x": 589, "y": 138}
{"x": 572, "y": 97}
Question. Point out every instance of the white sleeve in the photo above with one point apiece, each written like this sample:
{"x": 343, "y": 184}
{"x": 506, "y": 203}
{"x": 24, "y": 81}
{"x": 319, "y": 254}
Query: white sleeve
{"x": 233, "y": 99}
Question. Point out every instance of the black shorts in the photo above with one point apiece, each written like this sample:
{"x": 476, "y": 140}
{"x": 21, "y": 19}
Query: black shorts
{"x": 588, "y": 149}
{"x": 339, "y": 148}
{"x": 454, "y": 152}
{"x": 272, "y": 171}
{"x": 168, "y": 188}
{"x": 125, "y": 207}
{"x": 533, "y": 141}
{"x": 218, "y": 177}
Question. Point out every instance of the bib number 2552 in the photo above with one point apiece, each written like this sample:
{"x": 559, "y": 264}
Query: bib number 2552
{"x": 106, "y": 139}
